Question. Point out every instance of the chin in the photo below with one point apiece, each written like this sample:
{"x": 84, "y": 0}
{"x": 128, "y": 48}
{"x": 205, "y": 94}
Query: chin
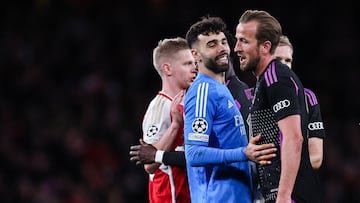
{"x": 242, "y": 67}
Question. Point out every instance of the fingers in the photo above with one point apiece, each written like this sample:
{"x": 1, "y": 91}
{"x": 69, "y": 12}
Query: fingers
{"x": 177, "y": 100}
{"x": 261, "y": 154}
{"x": 134, "y": 158}
{"x": 178, "y": 97}
{"x": 264, "y": 162}
{"x": 264, "y": 156}
{"x": 180, "y": 94}
{"x": 255, "y": 139}
{"x": 267, "y": 149}
{"x": 135, "y": 147}
{"x": 266, "y": 146}
{"x": 134, "y": 152}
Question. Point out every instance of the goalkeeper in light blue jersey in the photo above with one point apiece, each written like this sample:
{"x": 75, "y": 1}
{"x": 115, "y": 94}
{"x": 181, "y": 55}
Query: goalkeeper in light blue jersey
{"x": 216, "y": 146}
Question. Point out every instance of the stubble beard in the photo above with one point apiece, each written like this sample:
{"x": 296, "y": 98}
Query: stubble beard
{"x": 251, "y": 65}
{"x": 216, "y": 68}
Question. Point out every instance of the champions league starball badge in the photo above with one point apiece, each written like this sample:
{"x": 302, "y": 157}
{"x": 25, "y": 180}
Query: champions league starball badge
{"x": 199, "y": 125}
{"x": 152, "y": 130}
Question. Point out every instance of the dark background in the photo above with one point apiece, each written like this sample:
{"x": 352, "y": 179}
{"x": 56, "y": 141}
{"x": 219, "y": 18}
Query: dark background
{"x": 76, "y": 77}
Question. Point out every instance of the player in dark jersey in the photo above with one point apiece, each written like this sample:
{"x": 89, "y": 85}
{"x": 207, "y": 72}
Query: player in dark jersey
{"x": 137, "y": 151}
{"x": 241, "y": 92}
{"x": 316, "y": 131}
{"x": 214, "y": 131}
{"x": 278, "y": 111}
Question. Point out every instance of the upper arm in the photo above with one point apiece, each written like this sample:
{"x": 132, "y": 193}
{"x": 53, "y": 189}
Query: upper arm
{"x": 290, "y": 128}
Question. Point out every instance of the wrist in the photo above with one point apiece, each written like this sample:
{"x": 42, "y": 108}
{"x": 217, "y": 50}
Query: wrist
{"x": 244, "y": 155}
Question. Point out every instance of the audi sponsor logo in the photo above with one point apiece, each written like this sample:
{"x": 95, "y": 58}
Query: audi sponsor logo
{"x": 280, "y": 105}
{"x": 316, "y": 126}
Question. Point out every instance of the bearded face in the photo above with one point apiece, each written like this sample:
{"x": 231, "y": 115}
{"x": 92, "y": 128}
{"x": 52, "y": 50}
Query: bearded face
{"x": 217, "y": 65}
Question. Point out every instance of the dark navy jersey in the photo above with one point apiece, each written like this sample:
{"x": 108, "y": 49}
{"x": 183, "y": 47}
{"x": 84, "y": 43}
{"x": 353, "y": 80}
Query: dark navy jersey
{"x": 242, "y": 95}
{"x": 278, "y": 94}
{"x": 315, "y": 126}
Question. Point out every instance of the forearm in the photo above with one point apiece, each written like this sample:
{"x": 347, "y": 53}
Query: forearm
{"x": 290, "y": 162}
{"x": 291, "y": 147}
{"x": 165, "y": 143}
{"x": 316, "y": 152}
{"x": 174, "y": 159}
{"x": 167, "y": 140}
{"x": 201, "y": 155}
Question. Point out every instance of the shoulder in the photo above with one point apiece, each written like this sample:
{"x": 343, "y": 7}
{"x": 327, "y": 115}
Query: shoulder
{"x": 276, "y": 72}
{"x": 160, "y": 100}
{"x": 281, "y": 74}
{"x": 205, "y": 86}
{"x": 159, "y": 104}
{"x": 311, "y": 97}
{"x": 235, "y": 82}
{"x": 309, "y": 91}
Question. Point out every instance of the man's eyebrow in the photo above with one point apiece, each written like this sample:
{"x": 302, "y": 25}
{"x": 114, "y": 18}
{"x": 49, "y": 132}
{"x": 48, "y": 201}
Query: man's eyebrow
{"x": 212, "y": 41}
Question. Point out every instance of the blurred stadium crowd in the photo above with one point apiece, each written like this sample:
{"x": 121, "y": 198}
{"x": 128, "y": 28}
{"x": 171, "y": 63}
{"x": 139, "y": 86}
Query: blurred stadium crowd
{"x": 76, "y": 77}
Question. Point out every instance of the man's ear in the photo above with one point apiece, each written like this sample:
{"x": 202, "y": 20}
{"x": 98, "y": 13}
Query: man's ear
{"x": 166, "y": 69}
{"x": 196, "y": 55}
{"x": 265, "y": 47}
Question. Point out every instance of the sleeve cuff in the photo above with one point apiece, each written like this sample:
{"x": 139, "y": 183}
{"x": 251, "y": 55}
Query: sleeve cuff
{"x": 159, "y": 156}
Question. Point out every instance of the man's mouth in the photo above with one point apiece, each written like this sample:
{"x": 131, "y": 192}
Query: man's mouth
{"x": 222, "y": 59}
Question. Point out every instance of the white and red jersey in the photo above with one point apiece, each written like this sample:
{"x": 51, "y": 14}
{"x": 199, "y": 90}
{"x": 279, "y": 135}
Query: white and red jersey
{"x": 169, "y": 183}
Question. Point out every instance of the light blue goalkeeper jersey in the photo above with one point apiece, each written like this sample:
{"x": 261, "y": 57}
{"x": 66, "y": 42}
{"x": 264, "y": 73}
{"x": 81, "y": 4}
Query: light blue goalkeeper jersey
{"x": 213, "y": 124}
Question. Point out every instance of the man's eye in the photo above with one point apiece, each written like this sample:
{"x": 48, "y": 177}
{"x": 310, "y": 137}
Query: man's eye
{"x": 211, "y": 44}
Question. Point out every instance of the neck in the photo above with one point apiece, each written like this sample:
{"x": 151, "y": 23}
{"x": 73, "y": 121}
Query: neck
{"x": 169, "y": 88}
{"x": 263, "y": 63}
{"x": 217, "y": 76}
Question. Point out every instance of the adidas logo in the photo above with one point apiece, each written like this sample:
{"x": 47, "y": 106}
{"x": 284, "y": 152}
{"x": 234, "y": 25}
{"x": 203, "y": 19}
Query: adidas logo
{"x": 230, "y": 104}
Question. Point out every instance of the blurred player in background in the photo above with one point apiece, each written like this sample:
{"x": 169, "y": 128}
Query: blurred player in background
{"x": 163, "y": 120}
{"x": 316, "y": 132}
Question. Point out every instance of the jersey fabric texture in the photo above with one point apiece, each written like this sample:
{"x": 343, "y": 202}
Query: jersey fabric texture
{"x": 242, "y": 95}
{"x": 212, "y": 120}
{"x": 278, "y": 94}
{"x": 315, "y": 126}
{"x": 169, "y": 183}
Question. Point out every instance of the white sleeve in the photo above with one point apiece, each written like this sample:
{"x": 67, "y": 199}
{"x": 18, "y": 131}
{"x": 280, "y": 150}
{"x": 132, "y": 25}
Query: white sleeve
{"x": 156, "y": 120}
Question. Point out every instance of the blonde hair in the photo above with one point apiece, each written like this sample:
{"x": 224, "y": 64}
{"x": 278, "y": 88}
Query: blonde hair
{"x": 284, "y": 41}
{"x": 166, "y": 48}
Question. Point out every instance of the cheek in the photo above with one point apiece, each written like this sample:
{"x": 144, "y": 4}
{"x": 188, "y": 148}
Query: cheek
{"x": 228, "y": 49}
{"x": 182, "y": 74}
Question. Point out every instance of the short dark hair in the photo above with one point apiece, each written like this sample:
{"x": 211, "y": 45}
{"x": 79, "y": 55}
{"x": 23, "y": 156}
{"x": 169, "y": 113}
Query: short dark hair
{"x": 204, "y": 26}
